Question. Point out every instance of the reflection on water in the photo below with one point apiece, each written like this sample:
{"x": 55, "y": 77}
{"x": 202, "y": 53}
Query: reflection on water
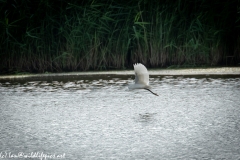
{"x": 97, "y": 117}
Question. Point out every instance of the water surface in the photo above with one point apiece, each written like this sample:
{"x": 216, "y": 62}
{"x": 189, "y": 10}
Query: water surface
{"x": 97, "y": 117}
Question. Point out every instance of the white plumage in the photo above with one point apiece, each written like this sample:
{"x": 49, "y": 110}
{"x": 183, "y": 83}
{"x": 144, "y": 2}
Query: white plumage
{"x": 141, "y": 78}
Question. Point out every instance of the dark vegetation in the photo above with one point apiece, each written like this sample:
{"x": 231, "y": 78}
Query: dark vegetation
{"x": 72, "y": 35}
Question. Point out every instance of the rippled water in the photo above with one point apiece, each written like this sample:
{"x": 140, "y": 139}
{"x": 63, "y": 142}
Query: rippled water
{"x": 97, "y": 117}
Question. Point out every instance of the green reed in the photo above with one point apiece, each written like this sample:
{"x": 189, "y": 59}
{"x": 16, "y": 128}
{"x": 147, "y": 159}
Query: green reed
{"x": 94, "y": 35}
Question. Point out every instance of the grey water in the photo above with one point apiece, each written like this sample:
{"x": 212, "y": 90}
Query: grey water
{"x": 98, "y": 117}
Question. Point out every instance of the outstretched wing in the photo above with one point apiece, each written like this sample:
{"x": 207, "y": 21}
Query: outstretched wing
{"x": 141, "y": 74}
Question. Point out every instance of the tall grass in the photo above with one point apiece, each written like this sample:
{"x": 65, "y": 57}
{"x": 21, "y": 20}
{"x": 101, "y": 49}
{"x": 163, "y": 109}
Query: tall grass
{"x": 43, "y": 36}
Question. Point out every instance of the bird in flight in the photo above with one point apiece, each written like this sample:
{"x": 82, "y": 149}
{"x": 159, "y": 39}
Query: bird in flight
{"x": 141, "y": 78}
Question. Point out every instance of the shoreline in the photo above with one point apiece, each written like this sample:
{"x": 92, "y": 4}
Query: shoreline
{"x": 156, "y": 72}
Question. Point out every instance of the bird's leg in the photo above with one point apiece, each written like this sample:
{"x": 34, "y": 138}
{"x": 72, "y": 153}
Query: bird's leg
{"x": 151, "y": 91}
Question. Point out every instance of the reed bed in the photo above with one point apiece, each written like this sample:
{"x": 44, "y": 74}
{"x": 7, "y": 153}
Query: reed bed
{"x": 49, "y": 36}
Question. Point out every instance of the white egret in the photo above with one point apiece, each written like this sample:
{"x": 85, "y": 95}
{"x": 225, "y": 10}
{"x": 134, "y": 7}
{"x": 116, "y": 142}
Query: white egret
{"x": 141, "y": 78}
